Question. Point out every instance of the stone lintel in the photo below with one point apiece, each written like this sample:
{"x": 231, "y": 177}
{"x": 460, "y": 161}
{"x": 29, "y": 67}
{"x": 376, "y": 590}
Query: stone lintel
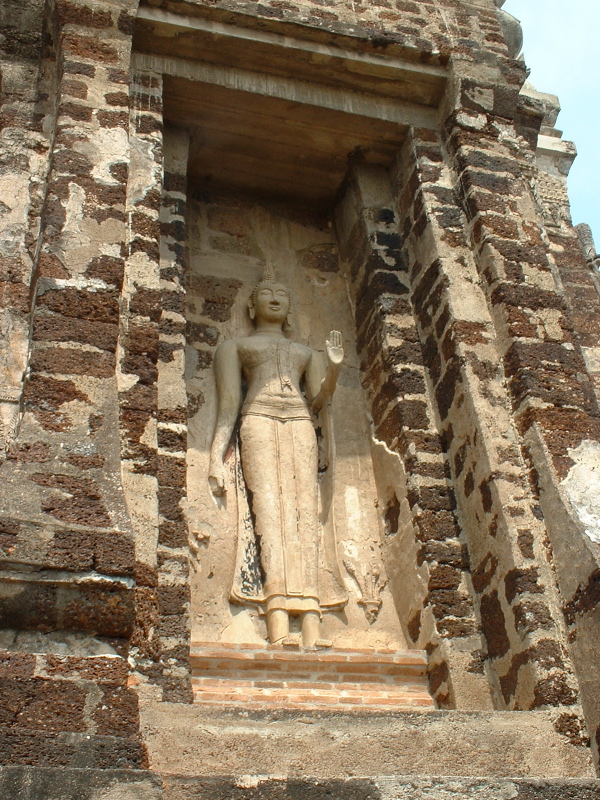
{"x": 278, "y": 49}
{"x": 388, "y": 109}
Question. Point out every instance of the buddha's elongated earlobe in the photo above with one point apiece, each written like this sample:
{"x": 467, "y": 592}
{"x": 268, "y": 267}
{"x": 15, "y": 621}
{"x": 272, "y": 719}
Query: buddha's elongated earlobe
{"x": 251, "y": 311}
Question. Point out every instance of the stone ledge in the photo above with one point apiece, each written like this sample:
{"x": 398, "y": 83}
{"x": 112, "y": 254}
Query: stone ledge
{"x": 45, "y": 749}
{"x": 359, "y": 37}
{"x": 255, "y": 787}
{"x": 47, "y": 783}
{"x": 280, "y": 53}
{"x": 201, "y": 740}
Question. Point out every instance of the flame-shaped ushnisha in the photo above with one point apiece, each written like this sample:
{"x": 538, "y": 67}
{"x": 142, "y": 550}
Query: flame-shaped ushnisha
{"x": 268, "y": 272}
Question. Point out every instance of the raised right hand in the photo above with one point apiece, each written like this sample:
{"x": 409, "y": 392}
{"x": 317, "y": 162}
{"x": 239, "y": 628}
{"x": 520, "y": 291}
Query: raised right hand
{"x": 335, "y": 348}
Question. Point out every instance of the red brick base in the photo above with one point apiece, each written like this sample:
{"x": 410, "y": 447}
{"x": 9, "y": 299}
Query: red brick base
{"x": 253, "y": 676}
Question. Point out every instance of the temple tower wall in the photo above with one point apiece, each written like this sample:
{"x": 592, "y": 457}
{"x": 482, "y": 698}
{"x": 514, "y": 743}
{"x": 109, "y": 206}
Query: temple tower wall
{"x": 407, "y": 182}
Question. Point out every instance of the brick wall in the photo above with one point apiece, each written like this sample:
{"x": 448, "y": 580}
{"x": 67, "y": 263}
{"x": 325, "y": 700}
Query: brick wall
{"x": 498, "y": 514}
{"x": 394, "y": 378}
{"x": 63, "y": 710}
{"x": 173, "y": 543}
{"x": 549, "y": 388}
{"x": 68, "y": 549}
{"x": 27, "y": 74}
{"x": 474, "y": 321}
{"x": 153, "y": 400}
{"x": 72, "y": 516}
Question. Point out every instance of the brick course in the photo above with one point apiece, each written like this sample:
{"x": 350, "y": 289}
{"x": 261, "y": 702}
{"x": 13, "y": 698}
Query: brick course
{"x": 252, "y": 677}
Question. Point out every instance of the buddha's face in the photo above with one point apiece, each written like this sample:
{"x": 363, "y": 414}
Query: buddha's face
{"x": 271, "y": 302}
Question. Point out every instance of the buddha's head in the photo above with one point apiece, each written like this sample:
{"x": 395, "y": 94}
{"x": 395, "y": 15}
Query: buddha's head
{"x": 270, "y": 301}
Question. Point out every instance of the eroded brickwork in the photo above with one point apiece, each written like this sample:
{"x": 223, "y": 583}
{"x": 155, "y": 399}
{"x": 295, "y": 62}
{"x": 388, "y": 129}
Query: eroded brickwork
{"x": 139, "y": 355}
{"x": 28, "y": 80}
{"x": 549, "y": 387}
{"x": 496, "y": 508}
{"x": 67, "y": 451}
{"x": 394, "y": 377}
{"x": 153, "y": 399}
{"x": 173, "y": 540}
{"x": 61, "y": 710}
{"x": 68, "y": 545}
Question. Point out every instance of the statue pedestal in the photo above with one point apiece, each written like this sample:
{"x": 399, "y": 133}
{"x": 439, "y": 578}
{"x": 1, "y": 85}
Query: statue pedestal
{"x": 271, "y": 676}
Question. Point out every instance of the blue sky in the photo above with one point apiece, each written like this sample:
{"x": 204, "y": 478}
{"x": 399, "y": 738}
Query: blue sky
{"x": 561, "y": 46}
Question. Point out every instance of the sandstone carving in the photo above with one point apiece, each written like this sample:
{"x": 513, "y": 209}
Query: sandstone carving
{"x": 371, "y": 583}
{"x": 586, "y": 240}
{"x": 9, "y": 417}
{"x": 287, "y": 388}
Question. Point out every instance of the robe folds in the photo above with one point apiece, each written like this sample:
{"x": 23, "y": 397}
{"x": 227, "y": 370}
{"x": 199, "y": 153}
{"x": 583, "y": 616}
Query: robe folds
{"x": 286, "y": 551}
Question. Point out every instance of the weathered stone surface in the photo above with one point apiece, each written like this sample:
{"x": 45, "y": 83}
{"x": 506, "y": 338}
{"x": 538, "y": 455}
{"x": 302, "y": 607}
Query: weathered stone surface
{"x": 84, "y": 783}
{"x": 252, "y": 787}
{"x": 440, "y": 742}
{"x": 53, "y": 603}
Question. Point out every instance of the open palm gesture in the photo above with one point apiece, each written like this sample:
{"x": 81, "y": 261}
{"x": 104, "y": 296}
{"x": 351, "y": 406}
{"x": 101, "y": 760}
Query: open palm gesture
{"x": 335, "y": 351}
